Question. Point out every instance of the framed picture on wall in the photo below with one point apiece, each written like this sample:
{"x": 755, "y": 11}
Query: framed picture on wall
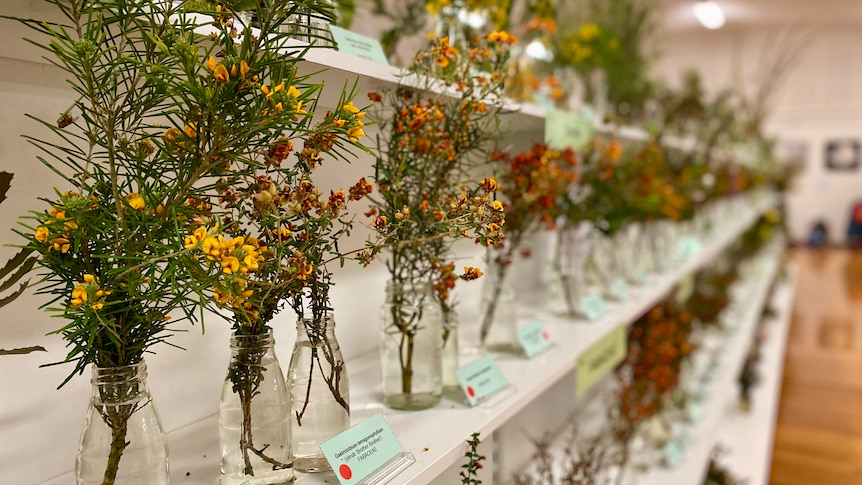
{"x": 842, "y": 155}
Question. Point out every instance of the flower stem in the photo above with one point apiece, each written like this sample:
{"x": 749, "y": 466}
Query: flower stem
{"x": 119, "y": 425}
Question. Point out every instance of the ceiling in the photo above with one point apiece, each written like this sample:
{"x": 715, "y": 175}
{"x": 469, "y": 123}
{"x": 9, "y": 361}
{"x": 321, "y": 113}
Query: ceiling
{"x": 679, "y": 14}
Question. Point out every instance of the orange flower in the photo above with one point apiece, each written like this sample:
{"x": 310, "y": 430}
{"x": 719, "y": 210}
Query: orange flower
{"x": 471, "y": 273}
{"x": 501, "y": 37}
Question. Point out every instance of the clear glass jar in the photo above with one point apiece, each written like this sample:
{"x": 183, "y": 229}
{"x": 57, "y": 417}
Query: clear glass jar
{"x": 633, "y": 261}
{"x": 122, "y": 442}
{"x": 570, "y": 268}
{"x": 310, "y": 27}
{"x": 254, "y": 413}
{"x": 499, "y": 315}
{"x": 412, "y": 347}
{"x": 451, "y": 385}
{"x": 319, "y": 392}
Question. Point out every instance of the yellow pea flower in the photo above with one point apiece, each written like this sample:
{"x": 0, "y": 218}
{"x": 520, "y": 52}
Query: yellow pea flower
{"x": 136, "y": 201}
{"x": 42, "y": 234}
{"x": 229, "y": 265}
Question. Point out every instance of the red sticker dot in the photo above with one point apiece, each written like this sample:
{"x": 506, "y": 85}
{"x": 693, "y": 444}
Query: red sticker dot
{"x": 545, "y": 335}
{"x": 471, "y": 392}
{"x": 345, "y": 471}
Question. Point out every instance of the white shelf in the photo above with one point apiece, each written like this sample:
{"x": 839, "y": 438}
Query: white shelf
{"x": 747, "y": 437}
{"x": 721, "y": 395}
{"x": 437, "y": 436}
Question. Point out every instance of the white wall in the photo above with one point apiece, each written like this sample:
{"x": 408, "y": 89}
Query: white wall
{"x": 820, "y": 100}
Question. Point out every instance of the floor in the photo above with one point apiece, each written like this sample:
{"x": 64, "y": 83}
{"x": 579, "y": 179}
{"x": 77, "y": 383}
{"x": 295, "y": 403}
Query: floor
{"x": 818, "y": 437}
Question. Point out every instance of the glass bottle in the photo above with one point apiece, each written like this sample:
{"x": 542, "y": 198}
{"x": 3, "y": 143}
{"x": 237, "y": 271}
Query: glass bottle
{"x": 571, "y": 284}
{"x": 499, "y": 314}
{"x": 254, "y": 426}
{"x": 319, "y": 391}
{"x": 451, "y": 385}
{"x": 122, "y": 442}
{"x": 313, "y": 28}
{"x": 412, "y": 347}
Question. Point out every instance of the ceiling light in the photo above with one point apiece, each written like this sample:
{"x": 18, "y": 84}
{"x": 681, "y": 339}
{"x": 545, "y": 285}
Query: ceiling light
{"x": 709, "y": 14}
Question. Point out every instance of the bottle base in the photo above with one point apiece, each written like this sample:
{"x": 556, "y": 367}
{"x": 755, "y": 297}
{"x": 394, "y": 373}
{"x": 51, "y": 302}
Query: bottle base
{"x": 311, "y": 464}
{"x": 411, "y": 401}
{"x": 281, "y": 477}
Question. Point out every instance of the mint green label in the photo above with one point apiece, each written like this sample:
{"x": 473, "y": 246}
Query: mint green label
{"x": 620, "y": 289}
{"x": 672, "y": 453}
{"x": 533, "y": 338}
{"x": 594, "y": 307}
{"x": 567, "y": 130}
{"x": 684, "y": 288}
{"x": 688, "y": 246}
{"x": 361, "y": 450}
{"x": 693, "y": 413}
{"x": 600, "y": 359}
{"x": 358, "y": 45}
{"x": 543, "y": 101}
{"x": 481, "y": 379}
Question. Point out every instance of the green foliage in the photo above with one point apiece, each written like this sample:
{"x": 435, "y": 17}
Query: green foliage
{"x": 155, "y": 123}
{"x": 470, "y": 474}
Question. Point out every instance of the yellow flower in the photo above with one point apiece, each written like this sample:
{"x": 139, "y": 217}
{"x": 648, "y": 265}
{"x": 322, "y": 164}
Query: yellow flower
{"x": 191, "y": 130}
{"x": 351, "y": 108}
{"x": 355, "y": 134}
{"x": 199, "y": 235}
{"x": 229, "y": 265}
{"x": 88, "y": 278}
{"x": 42, "y": 234}
{"x": 269, "y": 92}
{"x": 588, "y": 32}
{"x": 218, "y": 70}
{"x": 211, "y": 247}
{"x": 498, "y": 206}
{"x": 243, "y": 69}
{"x": 79, "y": 296}
{"x": 61, "y": 244}
{"x": 135, "y": 201}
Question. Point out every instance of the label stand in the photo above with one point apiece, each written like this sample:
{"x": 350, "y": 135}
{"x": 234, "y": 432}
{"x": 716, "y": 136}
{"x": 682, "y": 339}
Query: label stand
{"x": 390, "y": 469}
{"x": 498, "y": 397}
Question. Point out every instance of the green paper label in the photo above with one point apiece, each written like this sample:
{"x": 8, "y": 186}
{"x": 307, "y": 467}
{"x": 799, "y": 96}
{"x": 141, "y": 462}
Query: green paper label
{"x": 672, "y": 453}
{"x": 684, "y": 289}
{"x": 533, "y": 338}
{"x": 567, "y": 130}
{"x": 688, "y": 246}
{"x": 594, "y": 307}
{"x": 481, "y": 379}
{"x": 693, "y": 413}
{"x": 543, "y": 101}
{"x": 361, "y": 450}
{"x": 358, "y": 45}
{"x": 600, "y": 359}
{"x": 620, "y": 289}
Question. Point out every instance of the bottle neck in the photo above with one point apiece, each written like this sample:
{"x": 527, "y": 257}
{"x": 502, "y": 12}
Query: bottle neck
{"x": 120, "y": 384}
{"x": 310, "y": 328}
{"x": 251, "y": 348}
{"x": 407, "y": 291}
